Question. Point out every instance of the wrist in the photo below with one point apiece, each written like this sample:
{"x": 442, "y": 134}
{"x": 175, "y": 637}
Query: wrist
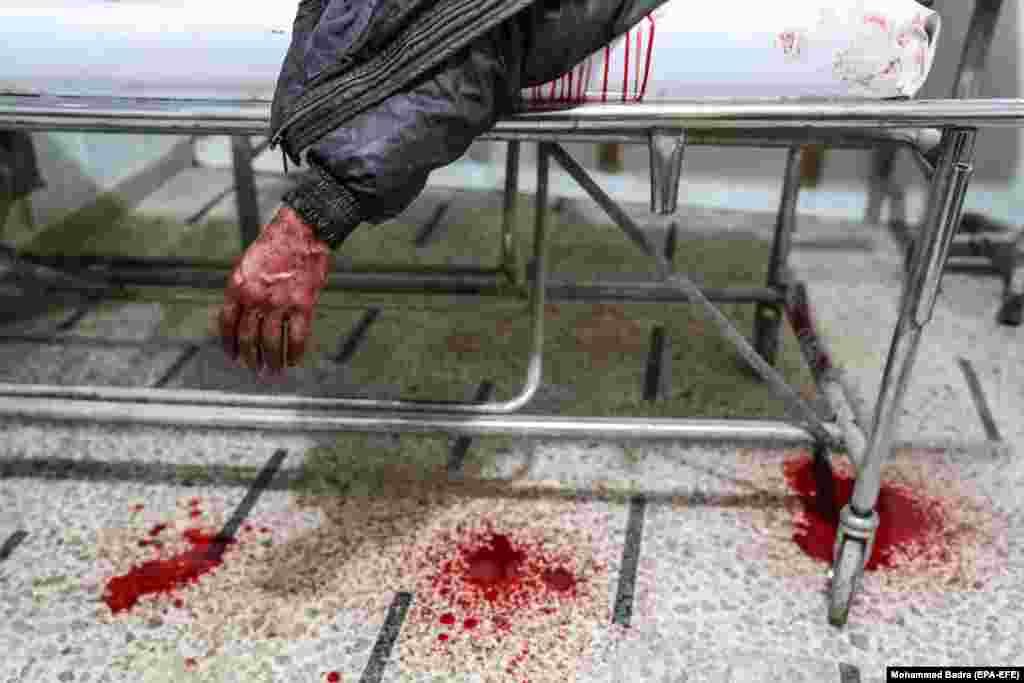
{"x": 326, "y": 206}
{"x": 288, "y": 224}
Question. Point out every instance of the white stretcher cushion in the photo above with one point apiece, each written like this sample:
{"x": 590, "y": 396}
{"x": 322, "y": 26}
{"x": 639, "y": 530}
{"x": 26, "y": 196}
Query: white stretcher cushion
{"x": 233, "y": 49}
{"x": 738, "y": 48}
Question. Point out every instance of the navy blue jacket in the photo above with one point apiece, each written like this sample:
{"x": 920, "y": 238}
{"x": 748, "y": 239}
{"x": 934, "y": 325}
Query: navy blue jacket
{"x": 375, "y": 94}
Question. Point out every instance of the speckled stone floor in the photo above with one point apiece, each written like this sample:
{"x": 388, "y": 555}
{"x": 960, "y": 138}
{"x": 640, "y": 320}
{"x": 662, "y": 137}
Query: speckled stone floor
{"x": 717, "y": 593}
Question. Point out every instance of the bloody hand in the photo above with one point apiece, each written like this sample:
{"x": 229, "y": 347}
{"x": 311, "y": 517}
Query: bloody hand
{"x": 278, "y": 279}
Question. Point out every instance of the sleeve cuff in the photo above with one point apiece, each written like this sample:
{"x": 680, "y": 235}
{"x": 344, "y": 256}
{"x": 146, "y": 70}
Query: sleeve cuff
{"x": 326, "y": 206}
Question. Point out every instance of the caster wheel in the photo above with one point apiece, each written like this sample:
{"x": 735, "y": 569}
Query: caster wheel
{"x": 846, "y": 573}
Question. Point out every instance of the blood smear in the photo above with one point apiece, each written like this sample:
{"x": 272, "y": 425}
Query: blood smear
{"x": 904, "y": 518}
{"x": 164, "y": 575}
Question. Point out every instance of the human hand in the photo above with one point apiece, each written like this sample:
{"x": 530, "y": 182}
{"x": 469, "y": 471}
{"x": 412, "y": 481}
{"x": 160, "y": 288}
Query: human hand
{"x": 267, "y": 314}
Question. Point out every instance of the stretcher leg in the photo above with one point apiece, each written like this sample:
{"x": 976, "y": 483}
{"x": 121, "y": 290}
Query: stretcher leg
{"x": 245, "y": 189}
{"x": 859, "y": 519}
{"x": 768, "y": 316}
{"x": 509, "y": 251}
{"x": 666, "y": 150}
{"x": 883, "y": 158}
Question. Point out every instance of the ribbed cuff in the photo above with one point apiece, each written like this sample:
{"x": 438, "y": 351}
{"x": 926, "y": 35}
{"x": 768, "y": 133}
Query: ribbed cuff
{"x": 326, "y": 206}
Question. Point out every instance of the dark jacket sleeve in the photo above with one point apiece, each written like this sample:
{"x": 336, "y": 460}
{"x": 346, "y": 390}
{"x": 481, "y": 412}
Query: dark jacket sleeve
{"x": 372, "y": 168}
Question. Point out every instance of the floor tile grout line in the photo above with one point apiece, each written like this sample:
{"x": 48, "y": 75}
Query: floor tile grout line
{"x": 177, "y": 366}
{"x": 209, "y": 206}
{"x": 622, "y": 611}
{"x": 848, "y": 673}
{"x": 980, "y": 403}
{"x": 12, "y": 543}
{"x": 266, "y": 475}
{"x": 428, "y": 231}
{"x": 460, "y": 448}
{"x": 386, "y": 639}
{"x": 83, "y": 309}
{"x": 653, "y": 377}
{"x": 356, "y": 336}
{"x": 670, "y": 241}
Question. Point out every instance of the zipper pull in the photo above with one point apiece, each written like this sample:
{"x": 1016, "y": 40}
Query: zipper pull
{"x": 284, "y": 160}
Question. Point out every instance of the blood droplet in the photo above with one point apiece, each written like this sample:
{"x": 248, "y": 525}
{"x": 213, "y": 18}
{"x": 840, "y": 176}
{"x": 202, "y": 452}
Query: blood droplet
{"x": 442, "y": 637}
{"x": 559, "y": 579}
{"x": 471, "y": 623}
{"x": 333, "y": 677}
{"x": 195, "y": 514}
{"x": 904, "y": 517}
{"x": 448, "y": 619}
{"x": 179, "y": 603}
{"x": 164, "y": 575}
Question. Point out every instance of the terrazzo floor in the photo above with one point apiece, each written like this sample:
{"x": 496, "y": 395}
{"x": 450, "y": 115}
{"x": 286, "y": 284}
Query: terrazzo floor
{"x": 684, "y": 556}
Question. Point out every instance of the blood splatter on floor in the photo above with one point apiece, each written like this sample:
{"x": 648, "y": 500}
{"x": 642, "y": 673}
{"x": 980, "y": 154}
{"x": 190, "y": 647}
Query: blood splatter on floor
{"x": 491, "y": 571}
{"x": 483, "y": 582}
{"x": 165, "y": 575}
{"x": 906, "y": 519}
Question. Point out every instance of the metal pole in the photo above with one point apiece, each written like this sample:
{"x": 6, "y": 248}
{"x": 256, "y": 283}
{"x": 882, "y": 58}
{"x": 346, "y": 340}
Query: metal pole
{"x": 977, "y": 44}
{"x": 666, "y": 149}
{"x": 724, "y": 120}
{"x": 509, "y": 252}
{"x": 541, "y": 426}
{"x": 948, "y": 189}
{"x": 533, "y": 372}
{"x": 768, "y": 316}
{"x": 654, "y": 292}
{"x": 246, "y": 198}
{"x": 883, "y": 158}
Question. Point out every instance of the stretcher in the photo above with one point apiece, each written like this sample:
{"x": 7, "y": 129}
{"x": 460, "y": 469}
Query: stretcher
{"x": 939, "y": 135}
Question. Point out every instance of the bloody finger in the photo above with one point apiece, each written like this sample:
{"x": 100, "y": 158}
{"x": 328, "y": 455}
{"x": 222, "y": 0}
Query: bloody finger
{"x": 270, "y": 340}
{"x": 249, "y": 338}
{"x": 298, "y": 333}
{"x": 229, "y": 318}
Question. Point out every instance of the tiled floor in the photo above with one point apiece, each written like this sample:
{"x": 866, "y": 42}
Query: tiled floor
{"x": 698, "y": 536}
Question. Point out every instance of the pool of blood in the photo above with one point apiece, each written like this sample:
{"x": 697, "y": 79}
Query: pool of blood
{"x": 488, "y": 580}
{"x": 904, "y": 517}
{"x": 165, "y": 574}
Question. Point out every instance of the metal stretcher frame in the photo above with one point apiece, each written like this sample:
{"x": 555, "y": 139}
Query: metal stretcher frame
{"x": 667, "y": 129}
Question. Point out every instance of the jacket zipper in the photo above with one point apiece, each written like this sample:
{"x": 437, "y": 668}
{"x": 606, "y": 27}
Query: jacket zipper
{"x": 459, "y": 25}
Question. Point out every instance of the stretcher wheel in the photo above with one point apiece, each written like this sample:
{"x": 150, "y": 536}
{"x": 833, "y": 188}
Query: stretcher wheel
{"x": 846, "y": 573}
